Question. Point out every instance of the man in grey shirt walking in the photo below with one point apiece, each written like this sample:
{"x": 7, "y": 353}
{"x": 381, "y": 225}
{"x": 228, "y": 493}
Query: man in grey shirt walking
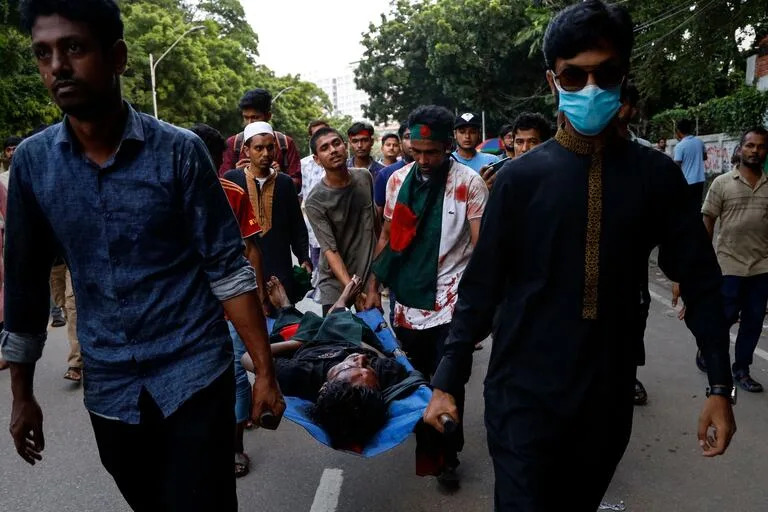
{"x": 341, "y": 212}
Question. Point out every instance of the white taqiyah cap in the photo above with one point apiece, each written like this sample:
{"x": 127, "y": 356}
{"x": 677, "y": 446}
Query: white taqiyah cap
{"x": 257, "y": 128}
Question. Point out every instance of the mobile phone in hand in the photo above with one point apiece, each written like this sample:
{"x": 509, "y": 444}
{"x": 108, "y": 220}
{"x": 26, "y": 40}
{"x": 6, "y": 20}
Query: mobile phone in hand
{"x": 497, "y": 165}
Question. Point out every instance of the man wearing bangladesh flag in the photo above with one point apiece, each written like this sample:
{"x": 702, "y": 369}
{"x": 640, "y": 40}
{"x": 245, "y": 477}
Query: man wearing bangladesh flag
{"x": 431, "y": 223}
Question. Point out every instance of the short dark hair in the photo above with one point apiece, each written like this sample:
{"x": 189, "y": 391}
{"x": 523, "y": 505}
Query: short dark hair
{"x": 505, "y": 129}
{"x": 13, "y": 140}
{"x": 213, "y": 140}
{"x": 349, "y": 414}
{"x": 101, "y": 16}
{"x": 532, "y": 121}
{"x": 402, "y": 129}
{"x": 389, "y": 136}
{"x": 588, "y": 25}
{"x": 757, "y": 130}
{"x": 315, "y": 123}
{"x": 684, "y": 126}
{"x": 358, "y": 127}
{"x": 436, "y": 117}
{"x": 319, "y": 133}
{"x": 258, "y": 99}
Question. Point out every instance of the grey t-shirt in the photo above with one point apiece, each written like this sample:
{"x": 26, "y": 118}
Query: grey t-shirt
{"x": 343, "y": 221}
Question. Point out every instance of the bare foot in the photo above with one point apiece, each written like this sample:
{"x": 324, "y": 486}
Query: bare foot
{"x": 277, "y": 295}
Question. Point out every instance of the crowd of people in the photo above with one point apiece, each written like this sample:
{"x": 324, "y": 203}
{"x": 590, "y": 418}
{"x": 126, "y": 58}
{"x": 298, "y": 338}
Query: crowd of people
{"x": 179, "y": 244}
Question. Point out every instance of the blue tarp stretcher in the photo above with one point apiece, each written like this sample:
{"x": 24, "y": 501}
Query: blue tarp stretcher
{"x": 404, "y": 413}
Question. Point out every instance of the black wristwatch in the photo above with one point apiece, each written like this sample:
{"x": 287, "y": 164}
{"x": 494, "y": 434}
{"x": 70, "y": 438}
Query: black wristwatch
{"x": 724, "y": 391}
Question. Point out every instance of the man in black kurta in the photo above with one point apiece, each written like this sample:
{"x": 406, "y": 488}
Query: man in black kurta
{"x": 557, "y": 274}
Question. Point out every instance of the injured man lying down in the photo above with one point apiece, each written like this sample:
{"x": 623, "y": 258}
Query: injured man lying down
{"x": 337, "y": 363}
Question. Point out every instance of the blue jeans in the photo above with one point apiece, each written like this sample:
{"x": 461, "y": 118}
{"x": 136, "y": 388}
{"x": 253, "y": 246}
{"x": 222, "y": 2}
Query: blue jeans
{"x": 745, "y": 298}
{"x": 242, "y": 384}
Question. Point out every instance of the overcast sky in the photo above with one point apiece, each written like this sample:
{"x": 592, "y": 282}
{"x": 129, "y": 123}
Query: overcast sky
{"x": 290, "y": 29}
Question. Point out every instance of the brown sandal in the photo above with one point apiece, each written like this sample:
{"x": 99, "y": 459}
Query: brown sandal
{"x": 74, "y": 374}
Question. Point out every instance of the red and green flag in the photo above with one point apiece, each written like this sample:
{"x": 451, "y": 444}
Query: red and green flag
{"x": 408, "y": 264}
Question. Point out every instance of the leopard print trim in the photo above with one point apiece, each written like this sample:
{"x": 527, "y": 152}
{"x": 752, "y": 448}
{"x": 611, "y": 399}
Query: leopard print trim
{"x": 581, "y": 146}
{"x": 594, "y": 228}
{"x": 574, "y": 143}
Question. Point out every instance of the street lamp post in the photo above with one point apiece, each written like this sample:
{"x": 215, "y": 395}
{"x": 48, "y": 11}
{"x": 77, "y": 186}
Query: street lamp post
{"x": 282, "y": 91}
{"x": 153, "y": 63}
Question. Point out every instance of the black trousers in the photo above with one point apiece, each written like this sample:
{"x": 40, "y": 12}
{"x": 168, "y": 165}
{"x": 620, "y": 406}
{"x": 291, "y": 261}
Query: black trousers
{"x": 424, "y": 349}
{"x": 544, "y": 462}
{"x": 179, "y": 463}
{"x": 696, "y": 196}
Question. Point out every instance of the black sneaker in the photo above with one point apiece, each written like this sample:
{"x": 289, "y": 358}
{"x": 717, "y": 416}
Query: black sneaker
{"x": 641, "y": 396}
{"x": 700, "y": 363}
{"x": 747, "y": 383}
{"x": 57, "y": 318}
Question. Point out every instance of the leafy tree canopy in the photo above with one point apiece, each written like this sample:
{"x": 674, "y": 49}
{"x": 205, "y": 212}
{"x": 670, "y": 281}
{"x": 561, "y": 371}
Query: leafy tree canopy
{"x": 200, "y": 80}
{"x": 486, "y": 54}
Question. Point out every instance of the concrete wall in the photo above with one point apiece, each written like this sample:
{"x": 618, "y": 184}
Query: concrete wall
{"x": 720, "y": 147}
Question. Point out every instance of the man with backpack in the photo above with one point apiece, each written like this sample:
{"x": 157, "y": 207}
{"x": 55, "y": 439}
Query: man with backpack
{"x": 256, "y": 105}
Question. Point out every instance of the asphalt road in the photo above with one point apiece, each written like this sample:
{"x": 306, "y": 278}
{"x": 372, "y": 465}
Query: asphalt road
{"x": 661, "y": 471}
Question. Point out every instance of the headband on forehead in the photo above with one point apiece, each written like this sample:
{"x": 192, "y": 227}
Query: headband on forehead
{"x": 362, "y": 133}
{"x": 426, "y": 132}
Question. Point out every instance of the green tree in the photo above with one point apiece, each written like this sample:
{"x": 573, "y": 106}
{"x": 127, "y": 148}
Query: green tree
{"x": 198, "y": 81}
{"x": 204, "y": 76}
{"x": 230, "y": 16}
{"x": 686, "y": 51}
{"x": 744, "y": 109}
{"x": 486, "y": 54}
{"x": 393, "y": 70}
{"x": 690, "y": 52}
{"x": 24, "y": 102}
{"x": 456, "y": 54}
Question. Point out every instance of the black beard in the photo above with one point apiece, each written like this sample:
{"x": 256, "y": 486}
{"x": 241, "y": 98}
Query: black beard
{"x": 756, "y": 166}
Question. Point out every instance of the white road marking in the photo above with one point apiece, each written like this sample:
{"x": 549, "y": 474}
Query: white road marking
{"x": 328, "y": 491}
{"x": 663, "y": 300}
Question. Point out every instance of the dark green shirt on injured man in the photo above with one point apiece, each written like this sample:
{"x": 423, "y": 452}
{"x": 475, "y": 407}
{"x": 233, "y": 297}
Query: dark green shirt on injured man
{"x": 328, "y": 342}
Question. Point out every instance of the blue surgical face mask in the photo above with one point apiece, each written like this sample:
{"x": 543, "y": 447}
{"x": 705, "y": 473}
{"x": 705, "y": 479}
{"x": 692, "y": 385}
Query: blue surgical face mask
{"x": 590, "y": 109}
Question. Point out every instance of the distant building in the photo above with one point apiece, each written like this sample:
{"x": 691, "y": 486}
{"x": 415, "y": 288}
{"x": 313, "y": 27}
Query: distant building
{"x": 757, "y": 66}
{"x": 340, "y": 88}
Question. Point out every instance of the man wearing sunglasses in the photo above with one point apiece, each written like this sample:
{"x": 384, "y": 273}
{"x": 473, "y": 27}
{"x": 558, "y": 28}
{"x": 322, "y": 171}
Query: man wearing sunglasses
{"x": 560, "y": 257}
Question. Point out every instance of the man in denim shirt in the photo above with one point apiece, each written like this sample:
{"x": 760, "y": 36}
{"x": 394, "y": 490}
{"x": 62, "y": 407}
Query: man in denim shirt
{"x": 154, "y": 251}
